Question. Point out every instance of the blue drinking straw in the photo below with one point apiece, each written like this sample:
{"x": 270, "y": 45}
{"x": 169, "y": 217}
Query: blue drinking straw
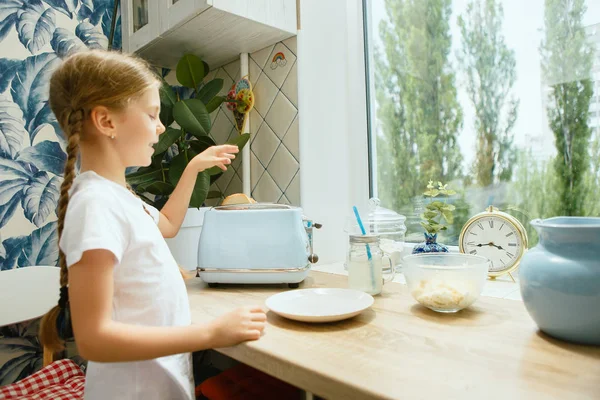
{"x": 369, "y": 256}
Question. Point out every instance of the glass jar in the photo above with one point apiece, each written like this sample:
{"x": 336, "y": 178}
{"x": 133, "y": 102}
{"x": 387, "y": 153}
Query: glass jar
{"x": 367, "y": 264}
{"x": 385, "y": 223}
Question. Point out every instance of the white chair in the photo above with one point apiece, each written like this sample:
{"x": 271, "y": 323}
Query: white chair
{"x": 27, "y": 293}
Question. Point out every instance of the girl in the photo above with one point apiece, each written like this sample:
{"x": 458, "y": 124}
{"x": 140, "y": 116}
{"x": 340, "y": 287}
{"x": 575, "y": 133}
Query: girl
{"x": 119, "y": 282}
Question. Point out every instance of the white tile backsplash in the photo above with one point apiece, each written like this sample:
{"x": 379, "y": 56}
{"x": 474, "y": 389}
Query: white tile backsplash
{"x": 256, "y": 169}
{"x": 261, "y": 56}
{"x": 233, "y": 70}
{"x": 221, "y": 129}
{"x": 265, "y": 144}
{"x": 291, "y": 139}
{"x": 267, "y": 190}
{"x": 292, "y": 44}
{"x": 290, "y": 86}
{"x": 227, "y": 82}
{"x": 274, "y": 160}
{"x": 281, "y": 115}
{"x": 293, "y": 190}
{"x": 254, "y": 71}
{"x": 256, "y": 120}
{"x": 264, "y": 94}
{"x": 283, "y": 167}
{"x": 235, "y": 186}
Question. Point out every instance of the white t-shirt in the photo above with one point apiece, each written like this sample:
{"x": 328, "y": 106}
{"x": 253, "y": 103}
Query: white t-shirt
{"x": 148, "y": 287}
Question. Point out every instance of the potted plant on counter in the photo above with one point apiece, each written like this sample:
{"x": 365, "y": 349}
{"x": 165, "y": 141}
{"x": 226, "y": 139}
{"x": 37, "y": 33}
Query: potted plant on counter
{"x": 188, "y": 124}
{"x": 436, "y": 212}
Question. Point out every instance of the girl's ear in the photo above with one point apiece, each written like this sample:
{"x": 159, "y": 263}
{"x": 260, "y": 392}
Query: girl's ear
{"x": 104, "y": 121}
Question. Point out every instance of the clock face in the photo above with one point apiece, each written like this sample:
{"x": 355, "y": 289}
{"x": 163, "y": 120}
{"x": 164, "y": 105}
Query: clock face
{"x": 495, "y": 238}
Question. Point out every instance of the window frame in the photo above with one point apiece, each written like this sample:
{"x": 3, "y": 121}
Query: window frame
{"x": 333, "y": 125}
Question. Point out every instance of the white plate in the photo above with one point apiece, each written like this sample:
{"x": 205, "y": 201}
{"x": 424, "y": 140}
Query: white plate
{"x": 319, "y": 305}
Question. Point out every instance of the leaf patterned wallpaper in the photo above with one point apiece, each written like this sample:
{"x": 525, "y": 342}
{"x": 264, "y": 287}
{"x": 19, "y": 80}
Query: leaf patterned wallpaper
{"x": 34, "y": 36}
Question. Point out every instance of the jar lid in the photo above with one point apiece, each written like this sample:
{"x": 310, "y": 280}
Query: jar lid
{"x": 383, "y": 216}
{"x": 379, "y": 220}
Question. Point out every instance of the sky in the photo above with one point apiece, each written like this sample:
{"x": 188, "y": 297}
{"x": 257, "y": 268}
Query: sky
{"x": 523, "y": 32}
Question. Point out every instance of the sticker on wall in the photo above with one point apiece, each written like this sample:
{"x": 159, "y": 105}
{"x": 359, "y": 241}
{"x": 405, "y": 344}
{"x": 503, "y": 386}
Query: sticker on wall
{"x": 278, "y": 60}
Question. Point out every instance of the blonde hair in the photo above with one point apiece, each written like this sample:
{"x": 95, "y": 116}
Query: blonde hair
{"x": 83, "y": 81}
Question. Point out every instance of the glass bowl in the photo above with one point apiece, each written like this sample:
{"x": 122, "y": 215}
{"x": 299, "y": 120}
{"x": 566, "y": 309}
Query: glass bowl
{"x": 445, "y": 282}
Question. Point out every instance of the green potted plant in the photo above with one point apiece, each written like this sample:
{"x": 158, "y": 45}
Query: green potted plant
{"x": 188, "y": 124}
{"x": 436, "y": 212}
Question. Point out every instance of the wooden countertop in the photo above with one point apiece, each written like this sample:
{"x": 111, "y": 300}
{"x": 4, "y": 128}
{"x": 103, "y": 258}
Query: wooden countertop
{"x": 400, "y": 350}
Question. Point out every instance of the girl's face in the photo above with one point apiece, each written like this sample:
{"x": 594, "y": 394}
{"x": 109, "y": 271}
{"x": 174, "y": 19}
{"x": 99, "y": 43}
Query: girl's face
{"x": 138, "y": 129}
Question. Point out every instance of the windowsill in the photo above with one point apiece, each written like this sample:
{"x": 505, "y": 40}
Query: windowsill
{"x": 501, "y": 288}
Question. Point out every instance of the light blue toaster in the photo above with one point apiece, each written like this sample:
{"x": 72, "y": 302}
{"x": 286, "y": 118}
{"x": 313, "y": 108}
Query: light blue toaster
{"x": 255, "y": 244}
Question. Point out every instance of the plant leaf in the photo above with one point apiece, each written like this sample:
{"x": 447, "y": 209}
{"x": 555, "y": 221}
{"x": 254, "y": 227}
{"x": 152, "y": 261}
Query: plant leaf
{"x": 45, "y": 117}
{"x": 200, "y": 190}
{"x": 64, "y": 6}
{"x": 10, "y": 170}
{"x": 166, "y": 116}
{"x": 65, "y": 43}
{"x": 46, "y": 156}
{"x": 190, "y": 71}
{"x": 92, "y": 36}
{"x": 239, "y": 140}
{"x": 12, "y": 128}
{"x": 8, "y": 15}
{"x": 35, "y": 25}
{"x": 166, "y": 140}
{"x": 8, "y": 68}
{"x": 86, "y": 9}
{"x": 192, "y": 116}
{"x": 8, "y": 209}
{"x": 201, "y": 143}
{"x": 427, "y": 227}
{"x": 176, "y": 168}
{"x": 159, "y": 188}
{"x": 41, "y": 197}
{"x": 13, "y": 248}
{"x": 437, "y": 204}
{"x": 31, "y": 84}
{"x": 448, "y": 216}
{"x": 214, "y": 194}
{"x": 214, "y": 178}
{"x": 429, "y": 214}
{"x": 210, "y": 90}
{"x": 214, "y": 103}
{"x": 143, "y": 175}
{"x": 41, "y": 247}
{"x": 20, "y": 367}
{"x": 448, "y": 207}
{"x": 167, "y": 95}
{"x": 101, "y": 8}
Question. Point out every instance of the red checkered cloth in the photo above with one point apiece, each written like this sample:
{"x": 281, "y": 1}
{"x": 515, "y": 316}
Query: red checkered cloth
{"x": 61, "y": 380}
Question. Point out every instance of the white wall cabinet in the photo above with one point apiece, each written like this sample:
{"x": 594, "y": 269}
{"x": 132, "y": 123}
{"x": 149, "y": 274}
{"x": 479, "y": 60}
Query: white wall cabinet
{"x": 161, "y": 31}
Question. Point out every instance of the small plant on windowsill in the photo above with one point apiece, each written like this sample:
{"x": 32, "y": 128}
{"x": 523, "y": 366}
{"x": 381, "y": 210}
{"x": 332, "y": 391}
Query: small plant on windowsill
{"x": 436, "y": 212}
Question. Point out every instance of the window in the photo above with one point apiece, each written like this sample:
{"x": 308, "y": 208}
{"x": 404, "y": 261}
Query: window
{"x": 474, "y": 93}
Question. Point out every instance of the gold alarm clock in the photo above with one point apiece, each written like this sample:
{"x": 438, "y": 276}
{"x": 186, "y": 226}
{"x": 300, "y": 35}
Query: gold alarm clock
{"x": 499, "y": 237}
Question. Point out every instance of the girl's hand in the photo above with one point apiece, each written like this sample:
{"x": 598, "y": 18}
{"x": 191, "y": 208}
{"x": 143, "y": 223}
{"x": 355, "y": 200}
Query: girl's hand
{"x": 219, "y": 156}
{"x": 243, "y": 324}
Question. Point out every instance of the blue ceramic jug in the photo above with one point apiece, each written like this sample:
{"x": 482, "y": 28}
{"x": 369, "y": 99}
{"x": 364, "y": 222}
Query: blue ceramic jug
{"x": 560, "y": 279}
